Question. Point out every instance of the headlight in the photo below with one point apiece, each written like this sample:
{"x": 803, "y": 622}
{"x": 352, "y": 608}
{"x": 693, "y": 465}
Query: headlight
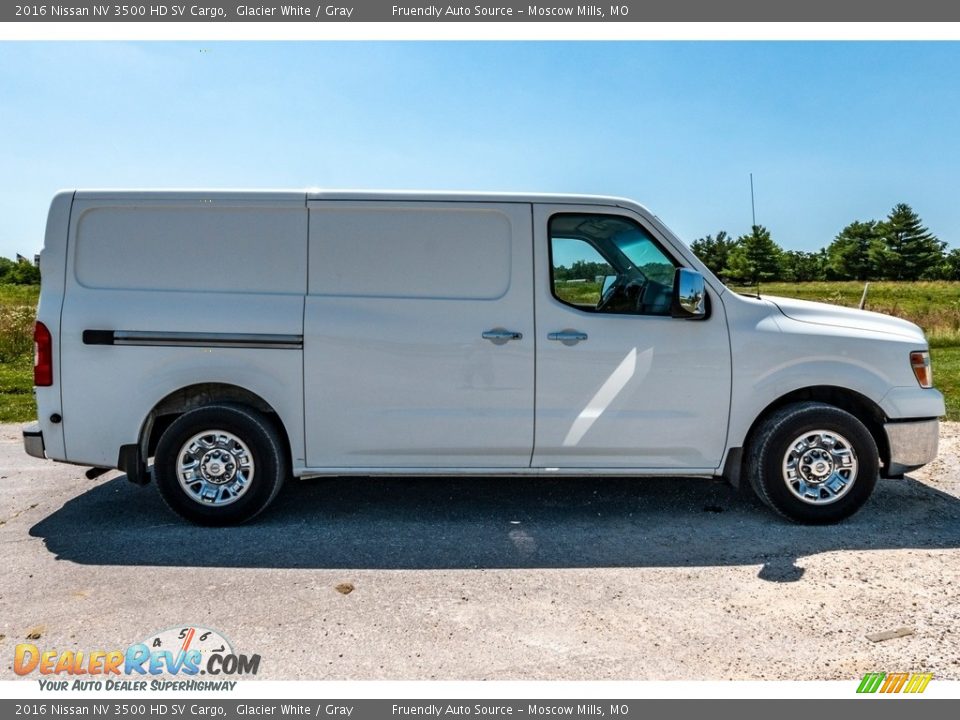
{"x": 920, "y": 362}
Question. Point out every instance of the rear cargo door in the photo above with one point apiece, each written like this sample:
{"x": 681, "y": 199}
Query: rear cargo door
{"x": 418, "y": 335}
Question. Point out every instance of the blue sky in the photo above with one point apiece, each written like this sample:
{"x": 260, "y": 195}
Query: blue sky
{"x": 833, "y": 132}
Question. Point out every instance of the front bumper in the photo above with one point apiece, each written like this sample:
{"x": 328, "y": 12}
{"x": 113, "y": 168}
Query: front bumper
{"x": 912, "y": 445}
{"x": 33, "y": 440}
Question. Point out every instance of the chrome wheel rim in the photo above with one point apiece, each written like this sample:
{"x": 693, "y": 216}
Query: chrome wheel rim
{"x": 820, "y": 467}
{"x": 215, "y": 467}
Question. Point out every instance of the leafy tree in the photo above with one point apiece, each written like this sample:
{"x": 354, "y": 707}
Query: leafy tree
{"x": 714, "y": 251}
{"x": 857, "y": 252}
{"x": 951, "y": 265}
{"x": 799, "y": 266}
{"x": 756, "y": 257}
{"x": 912, "y": 251}
{"x": 7, "y": 266}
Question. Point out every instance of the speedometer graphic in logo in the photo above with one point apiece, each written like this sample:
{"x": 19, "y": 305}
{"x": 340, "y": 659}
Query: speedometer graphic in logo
{"x": 183, "y": 639}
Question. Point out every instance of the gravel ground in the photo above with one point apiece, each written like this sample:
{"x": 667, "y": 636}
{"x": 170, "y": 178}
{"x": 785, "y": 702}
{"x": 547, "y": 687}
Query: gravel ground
{"x": 492, "y": 579}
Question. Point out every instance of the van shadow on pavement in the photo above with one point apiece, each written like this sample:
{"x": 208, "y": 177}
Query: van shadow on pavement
{"x": 443, "y": 523}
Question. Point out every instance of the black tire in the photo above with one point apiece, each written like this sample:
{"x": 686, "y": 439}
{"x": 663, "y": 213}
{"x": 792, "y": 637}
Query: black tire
{"x": 767, "y": 457}
{"x": 237, "y": 501}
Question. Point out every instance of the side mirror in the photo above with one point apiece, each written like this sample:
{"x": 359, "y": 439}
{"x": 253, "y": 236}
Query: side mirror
{"x": 607, "y": 282}
{"x": 689, "y": 295}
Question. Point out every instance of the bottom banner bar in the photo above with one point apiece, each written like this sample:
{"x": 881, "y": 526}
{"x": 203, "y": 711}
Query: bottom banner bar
{"x": 875, "y": 709}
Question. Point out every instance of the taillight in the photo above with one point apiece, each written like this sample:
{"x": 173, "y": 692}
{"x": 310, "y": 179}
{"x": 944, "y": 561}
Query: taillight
{"x": 42, "y": 356}
{"x": 920, "y": 362}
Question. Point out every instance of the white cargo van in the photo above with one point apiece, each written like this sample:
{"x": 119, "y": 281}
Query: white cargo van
{"x": 230, "y": 339}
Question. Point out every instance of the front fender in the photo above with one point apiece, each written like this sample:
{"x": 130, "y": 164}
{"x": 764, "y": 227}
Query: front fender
{"x": 754, "y": 392}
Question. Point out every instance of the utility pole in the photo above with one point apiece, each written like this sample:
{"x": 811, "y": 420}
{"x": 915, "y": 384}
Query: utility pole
{"x": 753, "y": 206}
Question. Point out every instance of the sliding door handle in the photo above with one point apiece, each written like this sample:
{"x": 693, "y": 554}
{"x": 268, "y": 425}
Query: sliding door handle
{"x": 499, "y": 336}
{"x": 568, "y": 337}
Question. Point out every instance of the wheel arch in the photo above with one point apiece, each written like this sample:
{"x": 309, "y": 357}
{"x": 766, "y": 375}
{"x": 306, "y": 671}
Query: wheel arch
{"x": 860, "y": 406}
{"x": 197, "y": 395}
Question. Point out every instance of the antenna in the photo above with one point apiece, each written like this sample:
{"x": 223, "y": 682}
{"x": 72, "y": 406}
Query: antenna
{"x": 753, "y": 206}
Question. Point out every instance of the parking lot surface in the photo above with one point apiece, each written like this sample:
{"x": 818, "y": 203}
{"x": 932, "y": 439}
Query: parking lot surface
{"x": 491, "y": 578}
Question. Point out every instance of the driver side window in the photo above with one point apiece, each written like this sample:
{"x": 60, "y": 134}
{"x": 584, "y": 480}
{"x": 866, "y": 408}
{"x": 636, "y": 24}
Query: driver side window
{"x": 608, "y": 264}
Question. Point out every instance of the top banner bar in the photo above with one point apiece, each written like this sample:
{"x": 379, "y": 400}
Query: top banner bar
{"x": 503, "y": 11}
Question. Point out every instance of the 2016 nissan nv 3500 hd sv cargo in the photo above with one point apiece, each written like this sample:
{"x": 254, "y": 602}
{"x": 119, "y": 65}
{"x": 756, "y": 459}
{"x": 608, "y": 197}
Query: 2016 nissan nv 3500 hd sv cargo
{"x": 221, "y": 341}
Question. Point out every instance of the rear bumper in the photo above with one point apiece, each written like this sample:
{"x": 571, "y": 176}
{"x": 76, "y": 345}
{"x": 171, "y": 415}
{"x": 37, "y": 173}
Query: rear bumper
{"x": 912, "y": 445}
{"x": 33, "y": 440}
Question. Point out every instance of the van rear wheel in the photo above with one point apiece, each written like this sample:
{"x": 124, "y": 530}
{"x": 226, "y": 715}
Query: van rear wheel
{"x": 220, "y": 464}
{"x": 813, "y": 463}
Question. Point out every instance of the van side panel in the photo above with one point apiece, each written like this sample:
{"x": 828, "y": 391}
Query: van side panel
{"x": 398, "y": 372}
{"x": 52, "y": 264}
{"x": 172, "y": 282}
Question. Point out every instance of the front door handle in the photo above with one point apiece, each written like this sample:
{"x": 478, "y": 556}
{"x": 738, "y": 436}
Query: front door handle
{"x": 568, "y": 337}
{"x": 499, "y": 336}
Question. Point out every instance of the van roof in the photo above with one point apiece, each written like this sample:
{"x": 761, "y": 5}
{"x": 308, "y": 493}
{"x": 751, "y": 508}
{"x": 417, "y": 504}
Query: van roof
{"x": 307, "y": 194}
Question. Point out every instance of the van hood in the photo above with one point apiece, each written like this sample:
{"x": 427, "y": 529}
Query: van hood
{"x": 852, "y": 318}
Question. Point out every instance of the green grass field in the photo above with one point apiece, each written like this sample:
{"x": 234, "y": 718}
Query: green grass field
{"x": 17, "y": 308}
{"x": 946, "y": 377}
{"x": 935, "y": 306}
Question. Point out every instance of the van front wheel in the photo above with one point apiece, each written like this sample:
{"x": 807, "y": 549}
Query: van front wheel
{"x": 220, "y": 464}
{"x": 813, "y": 463}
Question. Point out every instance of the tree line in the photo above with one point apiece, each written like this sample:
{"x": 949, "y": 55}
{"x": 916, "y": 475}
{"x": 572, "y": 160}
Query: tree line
{"x": 18, "y": 272}
{"x": 896, "y": 248}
